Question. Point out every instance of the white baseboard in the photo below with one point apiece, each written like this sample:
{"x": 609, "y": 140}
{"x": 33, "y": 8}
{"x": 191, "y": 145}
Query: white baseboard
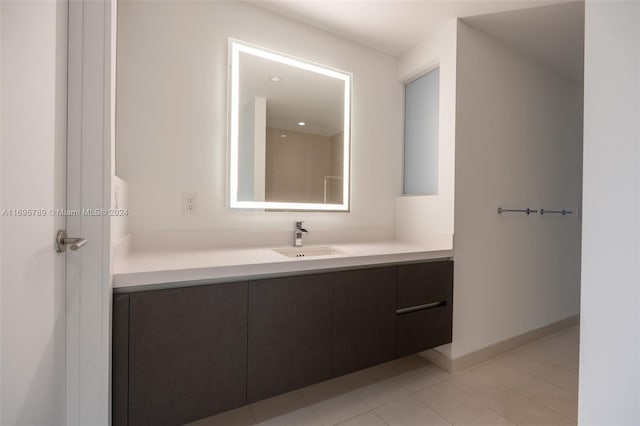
{"x": 469, "y": 360}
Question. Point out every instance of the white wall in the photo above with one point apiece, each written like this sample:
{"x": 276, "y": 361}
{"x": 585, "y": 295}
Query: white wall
{"x": 518, "y": 145}
{"x": 1, "y": 206}
{"x": 119, "y": 188}
{"x": 120, "y": 201}
{"x": 172, "y": 115}
{"x": 610, "y": 311}
{"x": 421, "y": 217}
{"x": 33, "y": 117}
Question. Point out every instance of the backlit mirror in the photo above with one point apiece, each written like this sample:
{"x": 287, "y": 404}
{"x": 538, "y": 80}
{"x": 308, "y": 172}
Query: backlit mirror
{"x": 289, "y": 132}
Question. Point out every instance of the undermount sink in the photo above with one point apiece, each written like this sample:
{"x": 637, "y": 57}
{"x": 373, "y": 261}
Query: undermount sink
{"x": 306, "y": 251}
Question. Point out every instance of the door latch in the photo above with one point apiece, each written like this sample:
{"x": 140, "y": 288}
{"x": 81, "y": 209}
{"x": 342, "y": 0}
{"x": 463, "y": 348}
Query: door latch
{"x": 62, "y": 242}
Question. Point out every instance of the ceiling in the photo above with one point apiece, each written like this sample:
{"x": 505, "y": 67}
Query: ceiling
{"x": 389, "y": 26}
{"x": 553, "y": 35}
{"x": 551, "y": 32}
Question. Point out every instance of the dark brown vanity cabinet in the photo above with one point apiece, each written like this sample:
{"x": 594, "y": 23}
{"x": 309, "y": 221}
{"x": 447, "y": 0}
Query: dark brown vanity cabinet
{"x": 187, "y": 351}
{"x": 289, "y": 334}
{"x": 364, "y": 315}
{"x": 120, "y": 360}
{"x": 191, "y": 352}
{"x": 425, "y": 306}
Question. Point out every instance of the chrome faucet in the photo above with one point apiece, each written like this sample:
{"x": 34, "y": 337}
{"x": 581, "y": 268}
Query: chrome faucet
{"x": 297, "y": 234}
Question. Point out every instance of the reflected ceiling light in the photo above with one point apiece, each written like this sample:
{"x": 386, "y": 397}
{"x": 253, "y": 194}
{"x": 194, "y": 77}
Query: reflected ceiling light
{"x": 283, "y": 135}
{"x": 301, "y": 123}
{"x": 275, "y": 78}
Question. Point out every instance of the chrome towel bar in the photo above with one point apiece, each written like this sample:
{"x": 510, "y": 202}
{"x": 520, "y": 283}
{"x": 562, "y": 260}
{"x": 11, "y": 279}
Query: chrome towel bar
{"x": 563, "y": 212}
{"x": 527, "y": 210}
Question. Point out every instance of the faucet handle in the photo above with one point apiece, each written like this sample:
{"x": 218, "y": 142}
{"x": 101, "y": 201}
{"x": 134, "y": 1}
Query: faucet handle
{"x": 297, "y": 233}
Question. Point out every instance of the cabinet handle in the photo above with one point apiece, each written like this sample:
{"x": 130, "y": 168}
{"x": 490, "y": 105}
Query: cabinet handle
{"x": 420, "y": 307}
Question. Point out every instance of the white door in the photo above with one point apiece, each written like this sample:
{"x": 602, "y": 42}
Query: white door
{"x": 32, "y": 180}
{"x": 56, "y": 126}
{"x": 91, "y": 109}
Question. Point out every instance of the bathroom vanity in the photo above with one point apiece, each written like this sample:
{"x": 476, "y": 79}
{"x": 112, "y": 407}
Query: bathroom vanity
{"x": 184, "y": 352}
{"x": 200, "y": 331}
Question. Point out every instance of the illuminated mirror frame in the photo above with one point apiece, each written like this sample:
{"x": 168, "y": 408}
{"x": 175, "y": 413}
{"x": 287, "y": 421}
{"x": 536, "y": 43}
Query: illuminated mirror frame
{"x": 235, "y": 48}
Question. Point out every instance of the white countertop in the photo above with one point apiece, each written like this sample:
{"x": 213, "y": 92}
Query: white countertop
{"x": 156, "y": 269}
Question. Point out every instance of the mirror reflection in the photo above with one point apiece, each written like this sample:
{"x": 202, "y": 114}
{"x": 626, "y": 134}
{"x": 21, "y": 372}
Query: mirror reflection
{"x": 289, "y": 132}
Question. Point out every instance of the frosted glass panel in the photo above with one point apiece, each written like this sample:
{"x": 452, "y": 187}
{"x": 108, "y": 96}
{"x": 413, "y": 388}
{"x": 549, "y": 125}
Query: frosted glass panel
{"x": 421, "y": 98}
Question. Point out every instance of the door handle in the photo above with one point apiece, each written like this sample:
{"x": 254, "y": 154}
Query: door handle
{"x": 62, "y": 242}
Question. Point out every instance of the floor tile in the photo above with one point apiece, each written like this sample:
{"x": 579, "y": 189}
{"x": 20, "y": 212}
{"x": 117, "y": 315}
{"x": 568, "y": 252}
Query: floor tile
{"x": 571, "y": 334}
{"x": 300, "y": 417}
{"x": 510, "y": 404}
{"x": 564, "y": 377}
{"x": 422, "y": 378}
{"x": 534, "y": 385}
{"x": 238, "y": 417}
{"x": 410, "y": 412}
{"x": 458, "y": 407}
{"x": 547, "y": 394}
{"x": 560, "y": 349}
{"x": 367, "y": 419}
{"x": 340, "y": 408}
{"x": 382, "y": 393}
{"x": 287, "y": 409}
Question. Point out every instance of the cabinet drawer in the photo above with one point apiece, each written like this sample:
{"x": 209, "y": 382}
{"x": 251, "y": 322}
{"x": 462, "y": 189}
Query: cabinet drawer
{"x": 422, "y": 330}
{"x": 424, "y": 283}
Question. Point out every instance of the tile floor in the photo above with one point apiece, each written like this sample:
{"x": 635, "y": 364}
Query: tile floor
{"x": 534, "y": 385}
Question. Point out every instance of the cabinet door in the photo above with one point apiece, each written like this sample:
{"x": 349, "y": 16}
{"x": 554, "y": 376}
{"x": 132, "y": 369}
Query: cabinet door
{"x": 289, "y": 334}
{"x": 363, "y": 318}
{"x": 120, "y": 360}
{"x": 187, "y": 353}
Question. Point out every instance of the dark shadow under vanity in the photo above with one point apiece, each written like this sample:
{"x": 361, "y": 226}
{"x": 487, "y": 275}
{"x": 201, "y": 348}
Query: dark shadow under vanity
{"x": 187, "y": 353}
